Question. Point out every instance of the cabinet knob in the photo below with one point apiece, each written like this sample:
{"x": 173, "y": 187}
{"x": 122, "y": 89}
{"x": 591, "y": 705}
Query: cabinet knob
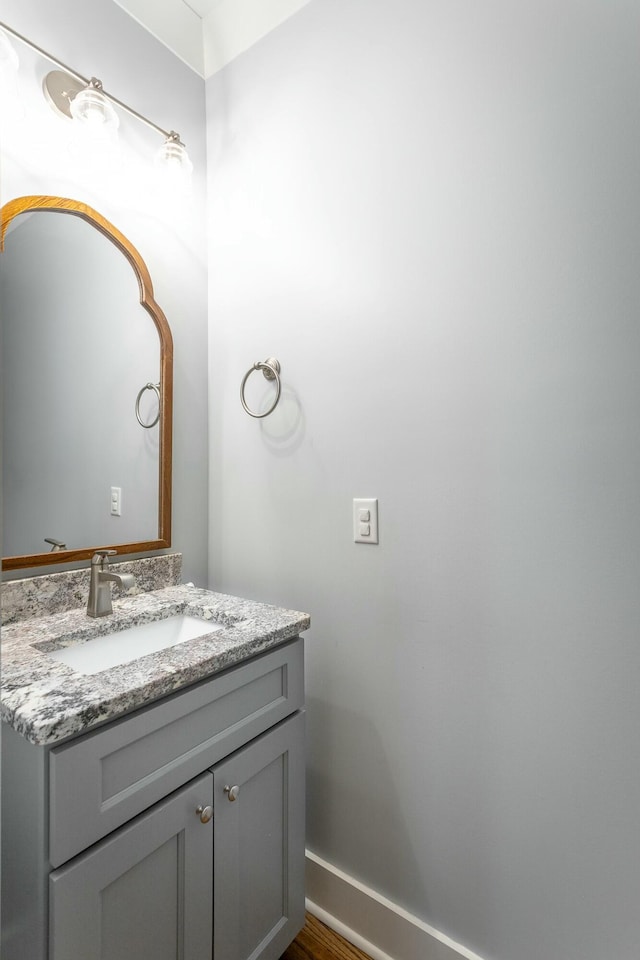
{"x": 205, "y": 813}
{"x": 232, "y": 792}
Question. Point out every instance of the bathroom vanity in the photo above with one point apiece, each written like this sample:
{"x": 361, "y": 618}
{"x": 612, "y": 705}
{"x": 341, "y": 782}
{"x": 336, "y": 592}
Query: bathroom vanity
{"x": 152, "y": 790}
{"x": 154, "y": 809}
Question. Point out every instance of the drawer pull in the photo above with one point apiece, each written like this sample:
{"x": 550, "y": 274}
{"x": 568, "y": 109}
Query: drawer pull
{"x": 232, "y": 792}
{"x": 205, "y": 813}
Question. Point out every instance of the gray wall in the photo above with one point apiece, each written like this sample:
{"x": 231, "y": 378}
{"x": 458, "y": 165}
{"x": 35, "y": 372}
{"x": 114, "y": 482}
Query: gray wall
{"x": 429, "y": 212}
{"x": 42, "y": 154}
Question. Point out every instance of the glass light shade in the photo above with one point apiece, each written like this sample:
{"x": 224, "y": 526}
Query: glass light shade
{"x": 11, "y": 104}
{"x": 8, "y": 56}
{"x": 173, "y": 158}
{"x": 91, "y": 108}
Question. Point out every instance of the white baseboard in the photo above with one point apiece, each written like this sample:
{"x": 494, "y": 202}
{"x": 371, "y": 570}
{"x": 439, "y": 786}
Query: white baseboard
{"x": 372, "y": 923}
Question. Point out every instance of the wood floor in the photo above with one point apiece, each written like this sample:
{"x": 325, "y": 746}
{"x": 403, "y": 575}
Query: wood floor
{"x": 317, "y": 942}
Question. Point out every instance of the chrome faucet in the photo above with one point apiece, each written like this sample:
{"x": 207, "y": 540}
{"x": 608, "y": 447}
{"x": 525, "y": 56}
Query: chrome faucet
{"x": 99, "y": 603}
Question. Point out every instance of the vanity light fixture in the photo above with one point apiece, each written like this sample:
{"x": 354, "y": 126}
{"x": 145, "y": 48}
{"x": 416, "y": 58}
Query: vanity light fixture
{"x": 86, "y": 101}
{"x": 91, "y": 107}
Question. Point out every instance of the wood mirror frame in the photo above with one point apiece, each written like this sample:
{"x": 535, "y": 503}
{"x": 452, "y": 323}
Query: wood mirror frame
{"x": 27, "y": 204}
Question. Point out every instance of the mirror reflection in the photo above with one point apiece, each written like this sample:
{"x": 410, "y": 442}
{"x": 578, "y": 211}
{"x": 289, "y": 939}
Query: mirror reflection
{"x": 78, "y": 468}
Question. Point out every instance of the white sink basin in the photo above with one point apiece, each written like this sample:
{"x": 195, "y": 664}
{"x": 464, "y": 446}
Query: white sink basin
{"x": 114, "y": 649}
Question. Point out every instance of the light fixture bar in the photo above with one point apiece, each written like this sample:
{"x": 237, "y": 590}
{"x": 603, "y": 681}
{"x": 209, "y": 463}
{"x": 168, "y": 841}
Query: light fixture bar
{"x": 168, "y": 134}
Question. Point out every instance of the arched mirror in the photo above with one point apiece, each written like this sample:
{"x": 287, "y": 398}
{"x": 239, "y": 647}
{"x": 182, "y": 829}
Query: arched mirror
{"x": 87, "y": 384}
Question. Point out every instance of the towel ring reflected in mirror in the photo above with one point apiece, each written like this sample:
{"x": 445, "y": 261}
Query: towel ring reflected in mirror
{"x": 148, "y": 386}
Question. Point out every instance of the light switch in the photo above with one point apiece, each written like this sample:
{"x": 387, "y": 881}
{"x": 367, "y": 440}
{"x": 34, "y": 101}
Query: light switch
{"x": 116, "y": 501}
{"x": 365, "y": 521}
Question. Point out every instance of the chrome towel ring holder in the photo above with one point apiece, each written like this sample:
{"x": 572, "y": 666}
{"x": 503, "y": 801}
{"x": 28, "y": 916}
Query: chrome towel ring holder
{"x": 148, "y": 386}
{"x": 270, "y": 371}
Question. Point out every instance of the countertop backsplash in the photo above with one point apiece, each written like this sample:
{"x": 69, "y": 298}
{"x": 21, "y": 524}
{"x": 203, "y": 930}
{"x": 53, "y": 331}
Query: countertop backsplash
{"x": 42, "y": 596}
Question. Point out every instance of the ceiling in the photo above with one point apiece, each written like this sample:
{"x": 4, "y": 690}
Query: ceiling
{"x": 208, "y": 34}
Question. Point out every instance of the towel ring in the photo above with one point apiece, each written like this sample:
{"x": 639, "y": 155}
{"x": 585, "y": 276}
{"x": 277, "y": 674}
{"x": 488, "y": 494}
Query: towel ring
{"x": 148, "y": 386}
{"x": 270, "y": 371}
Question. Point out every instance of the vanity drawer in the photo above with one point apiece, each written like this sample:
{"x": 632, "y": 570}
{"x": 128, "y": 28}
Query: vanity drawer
{"x": 102, "y": 779}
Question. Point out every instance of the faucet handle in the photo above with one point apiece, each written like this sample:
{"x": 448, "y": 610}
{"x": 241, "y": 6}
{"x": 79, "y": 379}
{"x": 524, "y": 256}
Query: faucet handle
{"x": 100, "y": 556}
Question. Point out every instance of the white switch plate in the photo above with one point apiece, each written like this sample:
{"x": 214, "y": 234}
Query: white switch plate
{"x": 116, "y": 501}
{"x": 365, "y": 521}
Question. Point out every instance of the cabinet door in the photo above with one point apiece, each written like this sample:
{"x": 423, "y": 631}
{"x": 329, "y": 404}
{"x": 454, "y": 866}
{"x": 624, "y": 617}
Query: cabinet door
{"x": 145, "y": 892}
{"x": 259, "y": 845}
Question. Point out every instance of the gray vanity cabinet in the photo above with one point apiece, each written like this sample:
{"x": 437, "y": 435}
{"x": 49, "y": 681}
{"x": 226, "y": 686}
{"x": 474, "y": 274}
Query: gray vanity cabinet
{"x": 175, "y": 833}
{"x": 259, "y": 845}
{"x": 146, "y": 891}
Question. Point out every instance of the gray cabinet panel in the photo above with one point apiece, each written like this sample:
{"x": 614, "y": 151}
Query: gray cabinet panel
{"x": 144, "y": 892}
{"x": 102, "y": 780}
{"x": 25, "y": 866}
{"x": 259, "y": 844}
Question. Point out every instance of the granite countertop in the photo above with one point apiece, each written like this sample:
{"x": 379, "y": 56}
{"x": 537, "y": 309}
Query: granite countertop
{"x": 47, "y": 701}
